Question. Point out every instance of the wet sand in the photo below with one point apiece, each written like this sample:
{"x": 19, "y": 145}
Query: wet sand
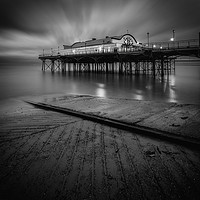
{"x": 49, "y": 155}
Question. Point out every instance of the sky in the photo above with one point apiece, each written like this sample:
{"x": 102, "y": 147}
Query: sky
{"x": 29, "y": 26}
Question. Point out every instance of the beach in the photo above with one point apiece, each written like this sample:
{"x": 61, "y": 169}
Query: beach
{"x": 48, "y": 154}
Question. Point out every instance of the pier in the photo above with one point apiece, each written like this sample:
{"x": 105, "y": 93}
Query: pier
{"x": 130, "y": 57}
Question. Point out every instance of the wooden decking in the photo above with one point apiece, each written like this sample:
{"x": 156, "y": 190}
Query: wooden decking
{"x": 48, "y": 155}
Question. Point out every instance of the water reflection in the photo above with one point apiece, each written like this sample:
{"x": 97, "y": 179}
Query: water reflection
{"x": 172, "y": 89}
{"x": 108, "y": 85}
{"x": 184, "y": 87}
{"x": 100, "y": 92}
{"x": 138, "y": 97}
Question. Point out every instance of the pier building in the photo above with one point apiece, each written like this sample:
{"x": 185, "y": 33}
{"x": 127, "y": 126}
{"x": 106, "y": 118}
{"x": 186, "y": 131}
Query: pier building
{"x": 107, "y": 44}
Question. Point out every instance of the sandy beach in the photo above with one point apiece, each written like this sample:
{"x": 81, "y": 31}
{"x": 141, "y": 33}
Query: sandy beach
{"x": 51, "y": 155}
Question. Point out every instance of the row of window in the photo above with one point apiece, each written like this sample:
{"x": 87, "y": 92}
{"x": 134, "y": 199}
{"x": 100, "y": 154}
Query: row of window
{"x": 98, "y": 49}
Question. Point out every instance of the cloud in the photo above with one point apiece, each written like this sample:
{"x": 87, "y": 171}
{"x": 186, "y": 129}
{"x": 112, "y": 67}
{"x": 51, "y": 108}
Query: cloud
{"x": 21, "y": 44}
{"x": 28, "y": 26}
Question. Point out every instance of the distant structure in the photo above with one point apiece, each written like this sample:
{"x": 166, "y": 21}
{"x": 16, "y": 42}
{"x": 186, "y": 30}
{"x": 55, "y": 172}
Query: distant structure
{"x": 124, "y": 42}
{"x": 119, "y": 54}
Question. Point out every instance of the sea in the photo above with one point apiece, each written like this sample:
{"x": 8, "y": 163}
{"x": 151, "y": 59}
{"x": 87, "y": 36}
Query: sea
{"x": 182, "y": 86}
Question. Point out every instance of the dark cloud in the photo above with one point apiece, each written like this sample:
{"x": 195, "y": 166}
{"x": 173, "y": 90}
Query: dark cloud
{"x": 41, "y": 16}
{"x": 31, "y": 25}
{"x": 28, "y": 16}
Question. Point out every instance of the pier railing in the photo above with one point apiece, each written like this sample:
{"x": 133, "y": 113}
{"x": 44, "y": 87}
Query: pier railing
{"x": 170, "y": 45}
{"x": 181, "y": 44}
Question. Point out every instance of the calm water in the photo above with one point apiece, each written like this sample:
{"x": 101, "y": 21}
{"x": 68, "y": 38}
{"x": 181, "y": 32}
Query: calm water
{"x": 182, "y": 87}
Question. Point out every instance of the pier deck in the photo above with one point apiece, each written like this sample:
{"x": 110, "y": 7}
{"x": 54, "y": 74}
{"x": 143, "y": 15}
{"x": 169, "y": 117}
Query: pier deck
{"x": 156, "y": 59}
{"x": 49, "y": 155}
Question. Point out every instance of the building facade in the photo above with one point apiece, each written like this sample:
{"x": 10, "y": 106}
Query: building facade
{"x": 124, "y": 42}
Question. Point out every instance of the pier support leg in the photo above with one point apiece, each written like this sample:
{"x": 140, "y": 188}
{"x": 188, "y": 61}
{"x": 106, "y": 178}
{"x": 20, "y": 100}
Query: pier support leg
{"x": 174, "y": 65}
{"x": 69, "y": 67}
{"x": 136, "y": 68}
{"x": 63, "y": 66}
{"x": 120, "y": 67}
{"x": 80, "y": 67}
{"x": 144, "y": 68}
{"x": 162, "y": 67}
{"x": 154, "y": 68}
{"x": 89, "y": 70}
{"x": 113, "y": 65}
{"x": 43, "y": 65}
{"x": 106, "y": 67}
{"x": 52, "y": 66}
{"x": 74, "y": 69}
{"x": 130, "y": 67}
{"x": 92, "y": 69}
{"x": 167, "y": 63}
